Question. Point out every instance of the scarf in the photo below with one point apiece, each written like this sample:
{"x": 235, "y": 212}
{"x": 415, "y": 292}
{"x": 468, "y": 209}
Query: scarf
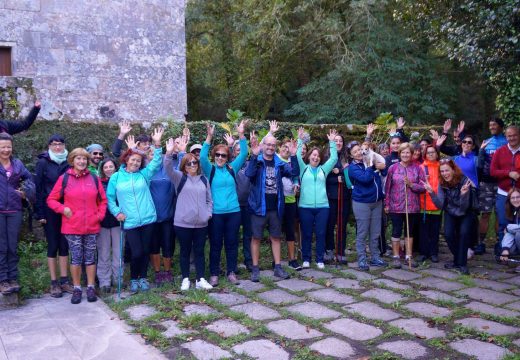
{"x": 58, "y": 158}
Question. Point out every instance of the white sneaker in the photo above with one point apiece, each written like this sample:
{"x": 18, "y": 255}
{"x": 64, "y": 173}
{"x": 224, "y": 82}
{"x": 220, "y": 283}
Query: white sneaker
{"x": 470, "y": 254}
{"x": 306, "y": 265}
{"x": 203, "y": 284}
{"x": 320, "y": 265}
{"x": 185, "y": 284}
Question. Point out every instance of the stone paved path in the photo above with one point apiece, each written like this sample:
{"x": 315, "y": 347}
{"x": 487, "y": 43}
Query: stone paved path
{"x": 426, "y": 313}
{"x": 49, "y": 328}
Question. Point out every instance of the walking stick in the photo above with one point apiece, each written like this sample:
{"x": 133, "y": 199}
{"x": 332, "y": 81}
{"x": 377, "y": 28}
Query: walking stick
{"x": 120, "y": 275}
{"x": 338, "y": 224}
{"x": 407, "y": 222}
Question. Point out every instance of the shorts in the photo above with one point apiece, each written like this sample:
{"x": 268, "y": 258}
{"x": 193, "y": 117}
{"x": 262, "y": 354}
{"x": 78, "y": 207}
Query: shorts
{"x": 487, "y": 195}
{"x": 271, "y": 219}
{"x": 399, "y": 223}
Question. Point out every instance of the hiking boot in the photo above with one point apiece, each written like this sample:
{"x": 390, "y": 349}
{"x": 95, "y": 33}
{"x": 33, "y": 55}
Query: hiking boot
{"x": 363, "y": 266}
{"x": 67, "y": 287}
{"x": 134, "y": 286}
{"x": 464, "y": 270}
{"x": 144, "y": 285}
{"x": 378, "y": 263}
{"x": 411, "y": 262}
{"x": 168, "y": 277}
{"x": 434, "y": 258}
{"x": 293, "y": 264}
{"x": 396, "y": 263}
{"x": 213, "y": 280}
{"x": 91, "y": 294}
{"x": 255, "y": 274}
{"x": 280, "y": 272}
{"x": 76, "y": 296}
{"x": 159, "y": 278}
{"x": 328, "y": 256}
{"x": 5, "y": 288}
{"x": 56, "y": 291}
{"x": 203, "y": 284}
{"x": 15, "y": 287}
{"x": 232, "y": 278}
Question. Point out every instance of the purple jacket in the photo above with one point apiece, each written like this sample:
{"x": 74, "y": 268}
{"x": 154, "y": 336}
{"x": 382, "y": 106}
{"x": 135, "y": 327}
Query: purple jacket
{"x": 394, "y": 188}
{"x": 10, "y": 200}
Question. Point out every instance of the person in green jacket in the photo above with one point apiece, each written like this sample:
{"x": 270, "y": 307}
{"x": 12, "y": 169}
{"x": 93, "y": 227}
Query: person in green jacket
{"x": 226, "y": 219}
{"x": 314, "y": 204}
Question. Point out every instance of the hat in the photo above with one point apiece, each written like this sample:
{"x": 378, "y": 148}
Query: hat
{"x": 195, "y": 147}
{"x": 57, "y": 138}
{"x": 94, "y": 147}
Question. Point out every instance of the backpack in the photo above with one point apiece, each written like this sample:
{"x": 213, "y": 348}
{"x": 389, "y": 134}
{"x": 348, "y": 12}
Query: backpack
{"x": 183, "y": 182}
{"x": 66, "y": 179}
{"x": 229, "y": 169}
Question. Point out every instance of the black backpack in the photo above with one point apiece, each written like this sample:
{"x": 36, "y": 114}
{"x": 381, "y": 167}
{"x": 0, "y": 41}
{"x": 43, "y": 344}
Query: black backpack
{"x": 66, "y": 179}
{"x": 229, "y": 169}
{"x": 183, "y": 182}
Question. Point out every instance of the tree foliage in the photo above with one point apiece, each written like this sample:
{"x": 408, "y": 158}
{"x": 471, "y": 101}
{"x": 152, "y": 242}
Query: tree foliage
{"x": 482, "y": 34}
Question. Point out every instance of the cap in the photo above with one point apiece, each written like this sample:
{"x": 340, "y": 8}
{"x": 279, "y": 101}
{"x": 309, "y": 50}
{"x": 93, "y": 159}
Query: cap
{"x": 195, "y": 147}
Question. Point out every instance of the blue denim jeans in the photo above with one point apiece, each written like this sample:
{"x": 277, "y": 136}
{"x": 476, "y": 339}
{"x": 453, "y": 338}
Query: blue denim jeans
{"x": 224, "y": 232}
{"x": 500, "y": 211}
{"x": 246, "y": 233}
{"x": 313, "y": 218}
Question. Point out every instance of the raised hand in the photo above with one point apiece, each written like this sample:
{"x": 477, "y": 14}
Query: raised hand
{"x": 370, "y": 129}
{"x": 434, "y": 134}
{"x": 484, "y": 144}
{"x": 130, "y": 142}
{"x": 447, "y": 126}
{"x": 186, "y": 133}
{"x": 170, "y": 146}
{"x": 301, "y": 133}
{"x": 441, "y": 140}
{"x": 293, "y": 147}
{"x": 273, "y": 127}
{"x": 241, "y": 128}
{"x": 124, "y": 129}
{"x": 157, "y": 135}
{"x": 210, "y": 131}
{"x": 400, "y": 122}
{"x": 37, "y": 104}
{"x": 255, "y": 146}
{"x": 459, "y": 129}
{"x": 229, "y": 139}
{"x": 332, "y": 134}
{"x": 182, "y": 143}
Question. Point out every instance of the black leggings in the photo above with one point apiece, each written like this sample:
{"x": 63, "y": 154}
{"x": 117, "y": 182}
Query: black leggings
{"x": 192, "y": 238}
{"x": 330, "y": 239}
{"x": 139, "y": 241}
{"x": 290, "y": 214}
{"x": 399, "y": 223}
{"x": 56, "y": 242}
{"x": 163, "y": 238}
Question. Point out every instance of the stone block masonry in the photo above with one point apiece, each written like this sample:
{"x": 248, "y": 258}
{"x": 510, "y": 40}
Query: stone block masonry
{"x": 96, "y": 60}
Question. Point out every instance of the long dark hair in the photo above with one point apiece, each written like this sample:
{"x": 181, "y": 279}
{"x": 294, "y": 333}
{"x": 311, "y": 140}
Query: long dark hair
{"x": 342, "y": 154}
{"x": 511, "y": 211}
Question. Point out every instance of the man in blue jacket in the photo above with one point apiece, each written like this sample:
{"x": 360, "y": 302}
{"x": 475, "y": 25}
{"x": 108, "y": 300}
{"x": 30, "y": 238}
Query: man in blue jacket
{"x": 266, "y": 199}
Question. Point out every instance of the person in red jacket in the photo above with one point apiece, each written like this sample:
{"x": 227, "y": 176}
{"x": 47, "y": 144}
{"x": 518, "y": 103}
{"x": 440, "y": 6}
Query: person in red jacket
{"x": 505, "y": 167}
{"x": 80, "y": 198}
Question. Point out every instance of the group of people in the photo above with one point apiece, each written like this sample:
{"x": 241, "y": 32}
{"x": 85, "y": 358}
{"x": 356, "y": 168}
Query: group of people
{"x": 97, "y": 208}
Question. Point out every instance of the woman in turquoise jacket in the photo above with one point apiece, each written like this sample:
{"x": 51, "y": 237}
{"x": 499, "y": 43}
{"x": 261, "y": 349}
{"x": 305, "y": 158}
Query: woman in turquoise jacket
{"x": 226, "y": 219}
{"x": 314, "y": 204}
{"x": 130, "y": 201}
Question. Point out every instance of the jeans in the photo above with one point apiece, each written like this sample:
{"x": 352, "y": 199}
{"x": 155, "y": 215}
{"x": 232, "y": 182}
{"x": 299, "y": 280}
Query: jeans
{"x": 500, "y": 212}
{"x": 457, "y": 232}
{"x": 10, "y": 224}
{"x": 430, "y": 226}
{"x": 139, "y": 241}
{"x": 192, "y": 238}
{"x": 340, "y": 237}
{"x": 224, "y": 231}
{"x": 108, "y": 266}
{"x": 368, "y": 224}
{"x": 245, "y": 216}
{"x": 313, "y": 218}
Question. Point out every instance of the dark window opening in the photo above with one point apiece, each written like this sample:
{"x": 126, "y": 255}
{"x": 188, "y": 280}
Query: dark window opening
{"x": 5, "y": 61}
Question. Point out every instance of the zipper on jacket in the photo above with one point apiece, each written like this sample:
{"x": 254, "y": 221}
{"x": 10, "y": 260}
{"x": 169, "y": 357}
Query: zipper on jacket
{"x": 135, "y": 199}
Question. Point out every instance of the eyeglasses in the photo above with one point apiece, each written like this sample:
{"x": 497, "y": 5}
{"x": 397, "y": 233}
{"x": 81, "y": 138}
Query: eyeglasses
{"x": 467, "y": 142}
{"x": 192, "y": 163}
{"x": 97, "y": 153}
{"x": 221, "y": 155}
{"x": 57, "y": 144}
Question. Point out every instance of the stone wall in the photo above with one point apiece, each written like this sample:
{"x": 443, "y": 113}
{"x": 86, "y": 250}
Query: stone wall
{"x": 100, "y": 59}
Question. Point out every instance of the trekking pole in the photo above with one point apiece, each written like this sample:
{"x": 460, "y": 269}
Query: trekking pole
{"x": 120, "y": 275}
{"x": 338, "y": 224}
{"x": 407, "y": 224}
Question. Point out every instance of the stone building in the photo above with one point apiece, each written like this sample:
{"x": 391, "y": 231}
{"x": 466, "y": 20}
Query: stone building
{"x": 95, "y": 60}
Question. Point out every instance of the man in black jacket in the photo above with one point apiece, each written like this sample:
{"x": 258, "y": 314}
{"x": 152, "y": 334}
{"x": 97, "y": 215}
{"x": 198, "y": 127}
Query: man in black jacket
{"x": 14, "y": 127}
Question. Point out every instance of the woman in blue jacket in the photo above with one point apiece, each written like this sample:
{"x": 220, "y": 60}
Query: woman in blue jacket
{"x": 226, "y": 218}
{"x": 367, "y": 206}
{"x": 15, "y": 184}
{"x": 135, "y": 207}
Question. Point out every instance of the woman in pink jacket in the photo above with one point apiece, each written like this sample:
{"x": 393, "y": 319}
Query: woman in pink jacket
{"x": 404, "y": 183}
{"x": 79, "y": 197}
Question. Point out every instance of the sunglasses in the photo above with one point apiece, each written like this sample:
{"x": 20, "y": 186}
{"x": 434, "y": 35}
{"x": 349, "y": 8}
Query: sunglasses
{"x": 97, "y": 153}
{"x": 192, "y": 163}
{"x": 467, "y": 142}
{"x": 221, "y": 155}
